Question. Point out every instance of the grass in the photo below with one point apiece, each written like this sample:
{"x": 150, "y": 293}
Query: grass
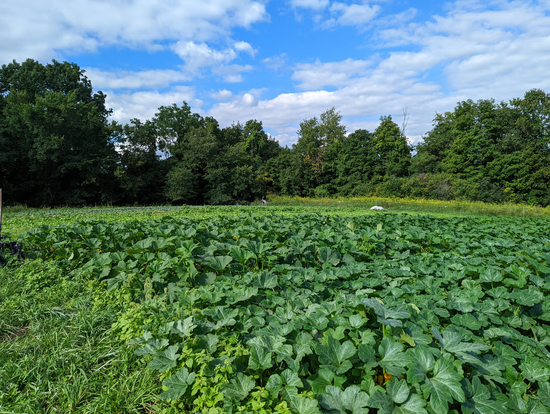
{"x": 409, "y": 205}
{"x": 58, "y": 352}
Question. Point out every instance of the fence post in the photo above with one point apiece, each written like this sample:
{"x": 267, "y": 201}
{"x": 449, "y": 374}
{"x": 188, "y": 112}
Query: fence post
{"x": 0, "y": 213}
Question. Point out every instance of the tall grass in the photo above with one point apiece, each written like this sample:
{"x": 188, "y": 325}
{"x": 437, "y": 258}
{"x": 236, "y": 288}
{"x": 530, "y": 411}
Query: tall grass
{"x": 58, "y": 353}
{"x": 466, "y": 208}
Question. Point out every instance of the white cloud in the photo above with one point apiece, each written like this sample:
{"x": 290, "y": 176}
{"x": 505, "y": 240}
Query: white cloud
{"x": 43, "y": 30}
{"x": 146, "y": 79}
{"x": 144, "y": 105}
{"x": 245, "y": 47}
{"x": 221, "y": 96}
{"x": 318, "y": 75}
{"x": 275, "y": 62}
{"x": 351, "y": 14}
{"x": 470, "y": 53}
{"x": 285, "y": 140}
{"x": 199, "y": 55}
{"x": 231, "y": 73}
{"x": 310, "y": 4}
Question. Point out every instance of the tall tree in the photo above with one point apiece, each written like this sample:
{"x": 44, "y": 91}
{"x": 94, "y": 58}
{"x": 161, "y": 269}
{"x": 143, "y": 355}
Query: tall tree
{"x": 186, "y": 181}
{"x": 394, "y": 152}
{"x": 141, "y": 171}
{"x": 530, "y": 165}
{"x": 172, "y": 123}
{"x": 57, "y": 145}
{"x": 435, "y": 146}
{"x": 314, "y": 164}
{"x": 357, "y": 158}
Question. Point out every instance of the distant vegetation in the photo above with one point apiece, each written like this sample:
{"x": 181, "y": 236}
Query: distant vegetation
{"x": 58, "y": 147}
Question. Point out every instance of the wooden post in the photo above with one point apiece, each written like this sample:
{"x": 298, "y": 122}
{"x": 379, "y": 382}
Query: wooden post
{"x": 0, "y": 212}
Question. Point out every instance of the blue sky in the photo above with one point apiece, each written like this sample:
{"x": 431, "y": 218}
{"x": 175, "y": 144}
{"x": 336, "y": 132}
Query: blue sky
{"x": 283, "y": 61}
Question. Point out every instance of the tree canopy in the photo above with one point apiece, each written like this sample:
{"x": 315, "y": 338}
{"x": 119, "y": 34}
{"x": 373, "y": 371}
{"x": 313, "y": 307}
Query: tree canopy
{"x": 58, "y": 147}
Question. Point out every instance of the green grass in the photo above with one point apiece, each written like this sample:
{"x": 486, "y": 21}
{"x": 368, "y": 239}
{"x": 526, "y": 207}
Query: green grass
{"x": 58, "y": 353}
{"x": 415, "y": 206}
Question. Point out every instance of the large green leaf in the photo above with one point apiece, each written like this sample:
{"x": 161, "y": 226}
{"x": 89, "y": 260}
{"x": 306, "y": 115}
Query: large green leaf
{"x": 218, "y": 263}
{"x": 177, "y": 384}
{"x": 239, "y": 387}
{"x": 414, "y": 405}
{"x": 324, "y": 378}
{"x": 165, "y": 360}
{"x": 337, "y": 401}
{"x": 544, "y": 393}
{"x": 265, "y": 280}
{"x": 287, "y": 378}
{"x": 241, "y": 255}
{"x": 398, "y": 390}
{"x": 336, "y": 354}
{"x": 535, "y": 370}
{"x": 423, "y": 362}
{"x": 152, "y": 346}
{"x": 479, "y": 401}
{"x": 184, "y": 327}
{"x": 259, "y": 359}
{"x": 302, "y": 405}
{"x": 327, "y": 255}
{"x": 444, "y": 386}
{"x": 451, "y": 341}
{"x": 209, "y": 342}
{"x": 392, "y": 355}
{"x": 387, "y": 316}
{"x": 490, "y": 275}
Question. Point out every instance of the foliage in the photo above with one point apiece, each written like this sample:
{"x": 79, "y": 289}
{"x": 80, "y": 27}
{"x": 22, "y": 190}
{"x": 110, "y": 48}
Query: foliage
{"x": 378, "y": 313}
{"x": 58, "y": 148}
{"x": 494, "y": 153}
{"x": 57, "y": 353}
{"x": 55, "y": 140}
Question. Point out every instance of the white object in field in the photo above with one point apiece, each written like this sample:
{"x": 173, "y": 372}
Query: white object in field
{"x": 377, "y": 208}
{"x": 262, "y": 201}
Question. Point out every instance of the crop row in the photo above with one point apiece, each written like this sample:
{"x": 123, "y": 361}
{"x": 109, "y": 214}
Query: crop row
{"x": 309, "y": 314}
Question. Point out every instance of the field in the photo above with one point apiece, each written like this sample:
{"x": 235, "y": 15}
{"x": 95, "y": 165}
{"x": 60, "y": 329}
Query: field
{"x": 291, "y": 309}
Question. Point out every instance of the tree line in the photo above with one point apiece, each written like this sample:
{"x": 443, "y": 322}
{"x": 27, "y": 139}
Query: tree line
{"x": 58, "y": 147}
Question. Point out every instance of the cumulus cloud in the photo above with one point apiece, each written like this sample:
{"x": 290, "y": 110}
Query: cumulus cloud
{"x": 318, "y": 75}
{"x": 245, "y": 47}
{"x": 231, "y": 73}
{"x": 310, "y": 4}
{"x": 221, "y": 96}
{"x": 146, "y": 79}
{"x": 199, "y": 55}
{"x": 43, "y": 30}
{"x": 351, "y": 14}
{"x": 275, "y": 62}
{"x": 469, "y": 53}
{"x": 144, "y": 104}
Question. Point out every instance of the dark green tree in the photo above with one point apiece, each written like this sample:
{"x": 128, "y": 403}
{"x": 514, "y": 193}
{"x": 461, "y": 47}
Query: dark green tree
{"x": 357, "y": 158}
{"x": 57, "y": 147}
{"x": 172, "y": 123}
{"x": 528, "y": 167}
{"x": 435, "y": 146}
{"x": 394, "y": 152}
{"x": 314, "y": 164}
{"x": 186, "y": 181}
{"x": 142, "y": 171}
